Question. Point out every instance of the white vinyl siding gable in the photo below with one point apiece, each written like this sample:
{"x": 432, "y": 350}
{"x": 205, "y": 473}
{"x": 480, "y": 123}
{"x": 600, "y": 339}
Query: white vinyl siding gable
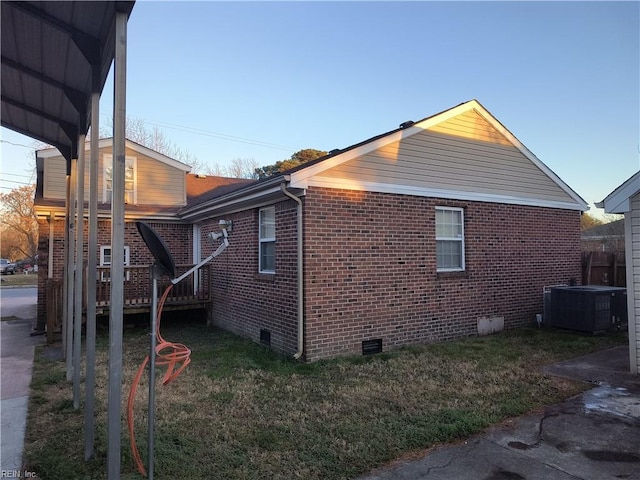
{"x": 156, "y": 182}
{"x": 55, "y": 178}
{"x": 463, "y": 157}
{"x": 634, "y": 287}
{"x": 160, "y": 184}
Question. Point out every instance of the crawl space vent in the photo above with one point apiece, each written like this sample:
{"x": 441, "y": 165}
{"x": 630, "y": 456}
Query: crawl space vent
{"x": 370, "y": 347}
{"x": 265, "y": 337}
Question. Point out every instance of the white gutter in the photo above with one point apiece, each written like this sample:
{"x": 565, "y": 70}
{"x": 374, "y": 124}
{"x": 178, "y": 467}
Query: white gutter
{"x": 298, "y": 354}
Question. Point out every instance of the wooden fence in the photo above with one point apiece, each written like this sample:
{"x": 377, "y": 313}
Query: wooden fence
{"x": 604, "y": 268}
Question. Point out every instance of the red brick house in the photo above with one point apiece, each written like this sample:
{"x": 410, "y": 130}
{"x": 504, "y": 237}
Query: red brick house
{"x": 442, "y": 228}
{"x": 156, "y": 188}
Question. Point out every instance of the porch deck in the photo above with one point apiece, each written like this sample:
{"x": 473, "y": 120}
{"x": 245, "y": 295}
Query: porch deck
{"x": 193, "y": 292}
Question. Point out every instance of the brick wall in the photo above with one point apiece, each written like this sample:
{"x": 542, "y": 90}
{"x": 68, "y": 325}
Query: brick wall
{"x": 245, "y": 301}
{"x": 177, "y": 237}
{"x": 370, "y": 268}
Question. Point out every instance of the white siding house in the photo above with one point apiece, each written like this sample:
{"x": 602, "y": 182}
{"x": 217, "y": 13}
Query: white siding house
{"x": 626, "y": 199}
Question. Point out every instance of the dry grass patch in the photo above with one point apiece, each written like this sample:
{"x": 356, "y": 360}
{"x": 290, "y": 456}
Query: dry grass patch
{"x": 239, "y": 411}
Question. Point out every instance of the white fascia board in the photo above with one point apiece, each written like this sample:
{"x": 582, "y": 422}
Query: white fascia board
{"x": 347, "y": 184}
{"x": 618, "y": 201}
{"x": 107, "y": 142}
{"x": 172, "y": 162}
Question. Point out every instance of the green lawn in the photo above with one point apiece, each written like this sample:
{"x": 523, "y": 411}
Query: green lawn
{"x": 19, "y": 280}
{"x": 240, "y": 411}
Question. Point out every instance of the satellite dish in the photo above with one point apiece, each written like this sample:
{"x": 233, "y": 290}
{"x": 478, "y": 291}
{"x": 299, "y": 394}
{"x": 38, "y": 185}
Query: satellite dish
{"x": 158, "y": 248}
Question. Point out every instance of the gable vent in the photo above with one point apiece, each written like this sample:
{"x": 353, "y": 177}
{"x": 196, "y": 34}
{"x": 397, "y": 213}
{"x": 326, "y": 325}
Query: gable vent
{"x": 407, "y": 124}
{"x": 369, "y": 347}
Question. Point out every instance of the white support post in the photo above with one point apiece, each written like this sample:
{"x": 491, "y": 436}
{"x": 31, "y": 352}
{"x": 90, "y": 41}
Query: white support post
{"x": 70, "y": 269}
{"x": 90, "y": 381}
{"x": 77, "y": 289}
{"x": 117, "y": 251}
{"x": 65, "y": 262}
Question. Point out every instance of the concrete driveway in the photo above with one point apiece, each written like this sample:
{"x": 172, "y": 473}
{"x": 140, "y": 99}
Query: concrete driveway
{"x": 16, "y": 363}
{"x": 592, "y": 436}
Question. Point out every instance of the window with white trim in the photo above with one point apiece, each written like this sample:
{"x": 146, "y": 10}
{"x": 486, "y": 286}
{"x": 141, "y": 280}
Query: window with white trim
{"x": 449, "y": 239}
{"x": 130, "y": 180}
{"x": 267, "y": 239}
{"x": 105, "y": 261}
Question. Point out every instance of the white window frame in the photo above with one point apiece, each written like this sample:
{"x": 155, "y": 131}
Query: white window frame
{"x": 130, "y": 196}
{"x": 460, "y": 238}
{"x": 266, "y": 240}
{"x": 104, "y": 277}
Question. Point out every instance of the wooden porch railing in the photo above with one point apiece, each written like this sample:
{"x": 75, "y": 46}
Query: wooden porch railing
{"x": 54, "y": 307}
{"x": 137, "y": 286}
{"x": 137, "y": 293}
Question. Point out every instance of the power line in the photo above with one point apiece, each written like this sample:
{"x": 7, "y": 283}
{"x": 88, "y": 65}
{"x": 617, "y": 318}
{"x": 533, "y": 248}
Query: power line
{"x": 17, "y": 144}
{"x": 15, "y": 181}
{"x": 222, "y": 136}
{"x": 17, "y": 175}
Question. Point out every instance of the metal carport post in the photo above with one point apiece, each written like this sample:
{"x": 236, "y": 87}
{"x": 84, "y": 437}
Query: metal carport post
{"x": 117, "y": 250}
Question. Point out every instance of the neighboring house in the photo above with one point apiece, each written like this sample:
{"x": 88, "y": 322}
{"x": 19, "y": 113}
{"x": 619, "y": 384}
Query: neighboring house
{"x": 442, "y": 228}
{"x": 608, "y": 237}
{"x": 626, "y": 199}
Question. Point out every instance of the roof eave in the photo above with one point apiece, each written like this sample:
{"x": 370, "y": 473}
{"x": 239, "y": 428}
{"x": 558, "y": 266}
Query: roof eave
{"x": 252, "y": 195}
{"x": 619, "y": 201}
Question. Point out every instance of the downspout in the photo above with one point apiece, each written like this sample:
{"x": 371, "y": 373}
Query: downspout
{"x": 300, "y": 351}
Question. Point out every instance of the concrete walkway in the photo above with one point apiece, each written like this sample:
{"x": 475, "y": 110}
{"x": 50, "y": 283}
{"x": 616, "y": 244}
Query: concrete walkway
{"x": 595, "y": 435}
{"x": 16, "y": 363}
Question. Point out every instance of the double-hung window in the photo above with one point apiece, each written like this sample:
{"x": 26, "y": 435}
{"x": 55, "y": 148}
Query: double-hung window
{"x": 449, "y": 239}
{"x": 105, "y": 261}
{"x": 267, "y": 239}
{"x": 130, "y": 173}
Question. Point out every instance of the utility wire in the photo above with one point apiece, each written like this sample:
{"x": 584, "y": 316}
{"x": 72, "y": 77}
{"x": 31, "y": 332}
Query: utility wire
{"x": 17, "y": 144}
{"x": 222, "y": 136}
{"x": 14, "y": 181}
{"x": 17, "y": 175}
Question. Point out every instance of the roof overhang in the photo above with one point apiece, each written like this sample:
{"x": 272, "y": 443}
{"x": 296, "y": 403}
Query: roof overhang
{"x": 619, "y": 201}
{"x": 253, "y": 196}
{"x": 54, "y": 56}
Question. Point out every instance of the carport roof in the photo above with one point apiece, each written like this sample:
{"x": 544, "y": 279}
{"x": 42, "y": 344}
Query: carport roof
{"x": 49, "y": 51}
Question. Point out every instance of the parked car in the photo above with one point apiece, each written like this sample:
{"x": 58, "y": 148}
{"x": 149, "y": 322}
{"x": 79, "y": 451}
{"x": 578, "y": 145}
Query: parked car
{"x": 25, "y": 265}
{"x": 6, "y": 267}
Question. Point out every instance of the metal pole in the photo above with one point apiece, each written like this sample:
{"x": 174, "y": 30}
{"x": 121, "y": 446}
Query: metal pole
{"x": 77, "y": 322}
{"x": 71, "y": 269}
{"x": 117, "y": 251}
{"x": 90, "y": 381}
{"x": 65, "y": 277}
{"x": 152, "y": 370}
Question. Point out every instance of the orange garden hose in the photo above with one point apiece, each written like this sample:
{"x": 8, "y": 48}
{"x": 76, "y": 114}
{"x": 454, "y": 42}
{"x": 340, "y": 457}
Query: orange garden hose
{"x": 175, "y": 355}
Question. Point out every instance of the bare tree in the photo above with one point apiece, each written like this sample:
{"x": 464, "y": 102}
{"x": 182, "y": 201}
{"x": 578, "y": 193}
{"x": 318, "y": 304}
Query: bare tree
{"x": 238, "y": 168}
{"x": 242, "y": 168}
{"x": 19, "y": 223}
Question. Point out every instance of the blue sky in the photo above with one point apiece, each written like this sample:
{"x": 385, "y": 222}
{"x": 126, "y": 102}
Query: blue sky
{"x": 563, "y": 77}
